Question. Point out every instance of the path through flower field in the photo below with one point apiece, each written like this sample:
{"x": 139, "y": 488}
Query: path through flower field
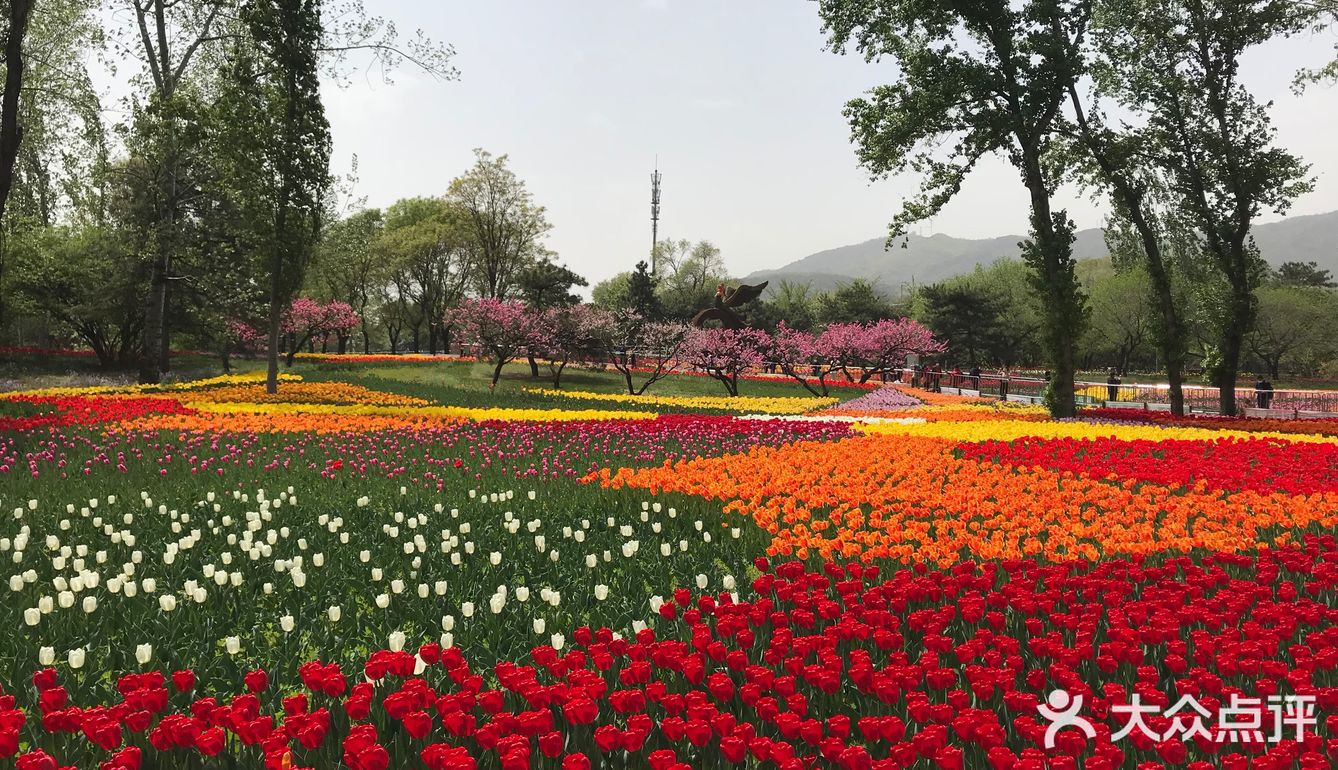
{"x": 366, "y": 572}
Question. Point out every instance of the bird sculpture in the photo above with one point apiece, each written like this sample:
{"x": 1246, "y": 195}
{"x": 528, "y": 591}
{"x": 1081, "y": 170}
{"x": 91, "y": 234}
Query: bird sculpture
{"x": 725, "y": 301}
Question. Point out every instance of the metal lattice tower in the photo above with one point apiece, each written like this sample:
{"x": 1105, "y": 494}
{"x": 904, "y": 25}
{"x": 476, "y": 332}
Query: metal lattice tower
{"x": 654, "y": 214}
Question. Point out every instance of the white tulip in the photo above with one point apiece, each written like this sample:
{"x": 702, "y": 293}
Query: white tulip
{"x": 333, "y": 613}
{"x": 522, "y": 593}
{"x": 233, "y": 645}
{"x": 601, "y": 592}
{"x": 167, "y": 602}
{"x": 377, "y": 574}
{"x": 447, "y": 641}
{"x": 383, "y": 600}
{"x": 200, "y": 595}
{"x": 65, "y": 599}
{"x": 46, "y": 656}
{"x": 683, "y": 545}
{"x": 638, "y": 626}
{"x": 591, "y": 561}
{"x": 424, "y": 590}
{"x": 701, "y": 582}
{"x": 496, "y": 603}
{"x": 558, "y": 641}
{"x": 439, "y": 587}
{"x": 397, "y": 586}
{"x": 32, "y": 616}
{"x": 728, "y": 582}
{"x": 143, "y": 653}
{"x": 706, "y": 537}
{"x": 397, "y": 640}
{"x": 287, "y": 624}
{"x": 495, "y": 558}
{"x": 735, "y": 532}
{"x": 665, "y": 550}
{"x": 16, "y": 582}
{"x": 467, "y": 609}
{"x": 447, "y": 622}
{"x": 672, "y": 513}
{"x": 76, "y": 658}
{"x": 539, "y": 625}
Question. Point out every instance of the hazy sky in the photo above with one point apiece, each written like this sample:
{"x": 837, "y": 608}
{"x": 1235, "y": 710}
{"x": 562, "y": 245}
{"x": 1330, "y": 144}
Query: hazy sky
{"x": 736, "y": 97}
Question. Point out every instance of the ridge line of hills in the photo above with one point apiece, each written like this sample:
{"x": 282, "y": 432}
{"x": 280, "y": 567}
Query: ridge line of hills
{"x": 928, "y": 259}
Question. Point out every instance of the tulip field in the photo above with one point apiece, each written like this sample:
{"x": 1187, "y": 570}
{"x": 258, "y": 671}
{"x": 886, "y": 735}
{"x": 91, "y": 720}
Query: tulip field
{"x": 372, "y": 570}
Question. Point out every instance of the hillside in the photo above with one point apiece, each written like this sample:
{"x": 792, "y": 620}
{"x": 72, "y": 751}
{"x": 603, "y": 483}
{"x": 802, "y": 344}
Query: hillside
{"x": 930, "y": 259}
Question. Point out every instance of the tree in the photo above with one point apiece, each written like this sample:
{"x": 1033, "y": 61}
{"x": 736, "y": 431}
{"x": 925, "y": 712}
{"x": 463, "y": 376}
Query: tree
{"x": 883, "y": 346}
{"x": 502, "y": 328}
{"x": 806, "y": 356}
{"x": 857, "y": 301}
{"x": 967, "y": 315}
{"x": 506, "y": 226}
{"x": 349, "y": 266}
{"x": 11, "y": 132}
{"x": 305, "y": 320}
{"x": 724, "y": 354}
{"x": 1212, "y": 143}
{"x": 280, "y": 167}
{"x": 1111, "y": 157}
{"x": 981, "y": 78}
{"x": 1121, "y": 317}
{"x": 611, "y": 293}
{"x": 641, "y": 297}
{"x": 687, "y": 278}
{"x": 86, "y": 281}
{"x": 1303, "y": 274}
{"x": 546, "y": 285}
{"x": 620, "y": 334}
{"x": 427, "y": 246}
{"x": 562, "y": 334}
{"x": 1298, "y": 324}
{"x": 795, "y": 305}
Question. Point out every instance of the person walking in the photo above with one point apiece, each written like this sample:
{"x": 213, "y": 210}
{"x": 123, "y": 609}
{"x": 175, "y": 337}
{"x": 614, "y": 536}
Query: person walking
{"x": 1263, "y": 393}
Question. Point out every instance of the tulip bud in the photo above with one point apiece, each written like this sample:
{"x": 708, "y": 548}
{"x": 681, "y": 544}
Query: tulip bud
{"x": 143, "y": 653}
{"x": 334, "y": 613}
{"x": 286, "y": 623}
{"x": 232, "y": 645}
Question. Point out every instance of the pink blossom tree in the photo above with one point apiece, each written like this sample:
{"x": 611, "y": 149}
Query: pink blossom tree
{"x": 565, "y": 334}
{"x": 623, "y": 334}
{"x": 884, "y": 345}
{"x": 307, "y": 319}
{"x": 798, "y": 354}
{"x": 503, "y": 329}
{"x": 725, "y": 353}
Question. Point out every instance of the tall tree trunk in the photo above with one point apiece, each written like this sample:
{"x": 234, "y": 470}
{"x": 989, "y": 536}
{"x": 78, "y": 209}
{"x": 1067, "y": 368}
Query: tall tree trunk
{"x": 1235, "y": 326}
{"x": 534, "y": 366}
{"x": 1052, "y": 247}
{"x": 11, "y": 133}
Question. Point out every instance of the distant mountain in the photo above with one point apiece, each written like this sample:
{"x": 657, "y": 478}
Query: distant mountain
{"x": 927, "y": 260}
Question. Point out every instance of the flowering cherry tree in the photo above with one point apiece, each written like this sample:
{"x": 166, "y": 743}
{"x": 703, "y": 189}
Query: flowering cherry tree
{"x": 622, "y": 334}
{"x": 502, "y": 328}
{"x": 563, "y": 334}
{"x": 884, "y": 345}
{"x": 307, "y": 319}
{"x": 725, "y": 353}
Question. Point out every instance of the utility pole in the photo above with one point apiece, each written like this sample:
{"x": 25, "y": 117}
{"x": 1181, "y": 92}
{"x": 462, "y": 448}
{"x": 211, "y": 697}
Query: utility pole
{"x": 654, "y": 213}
